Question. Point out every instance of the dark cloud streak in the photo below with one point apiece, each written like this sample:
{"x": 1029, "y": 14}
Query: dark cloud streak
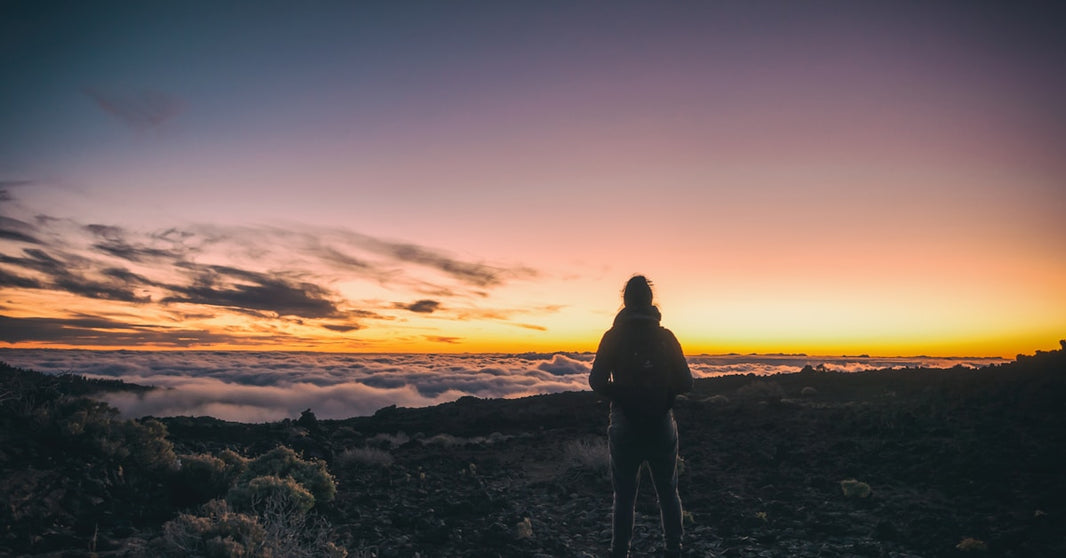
{"x": 421, "y": 307}
{"x": 341, "y": 328}
{"x": 18, "y": 236}
{"x": 114, "y": 242}
{"x": 19, "y": 231}
{"x": 62, "y": 275}
{"x": 98, "y": 331}
{"x": 140, "y": 110}
{"x": 242, "y": 289}
{"x": 18, "y": 281}
{"x": 5, "y": 188}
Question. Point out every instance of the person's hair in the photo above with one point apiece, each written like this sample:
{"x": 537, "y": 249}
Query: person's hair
{"x": 637, "y": 293}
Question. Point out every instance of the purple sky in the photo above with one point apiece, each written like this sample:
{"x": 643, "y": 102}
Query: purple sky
{"x": 880, "y": 177}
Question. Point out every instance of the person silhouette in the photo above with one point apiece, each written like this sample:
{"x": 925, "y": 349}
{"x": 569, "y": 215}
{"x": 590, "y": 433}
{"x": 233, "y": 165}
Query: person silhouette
{"x": 641, "y": 368}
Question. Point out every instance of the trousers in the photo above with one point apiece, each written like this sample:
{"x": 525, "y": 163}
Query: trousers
{"x": 633, "y": 443}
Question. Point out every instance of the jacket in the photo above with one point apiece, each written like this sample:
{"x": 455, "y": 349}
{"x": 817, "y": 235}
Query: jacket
{"x": 611, "y": 378}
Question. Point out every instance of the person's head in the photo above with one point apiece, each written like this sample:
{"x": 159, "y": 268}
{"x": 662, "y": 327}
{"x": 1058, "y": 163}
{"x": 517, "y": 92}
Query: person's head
{"x": 637, "y": 293}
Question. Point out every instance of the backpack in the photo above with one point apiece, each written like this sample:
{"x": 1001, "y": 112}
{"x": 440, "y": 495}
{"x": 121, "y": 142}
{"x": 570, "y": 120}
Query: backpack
{"x": 642, "y": 373}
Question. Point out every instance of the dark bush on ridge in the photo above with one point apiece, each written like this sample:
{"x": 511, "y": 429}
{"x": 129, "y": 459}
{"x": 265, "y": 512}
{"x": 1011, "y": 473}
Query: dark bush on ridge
{"x": 74, "y": 465}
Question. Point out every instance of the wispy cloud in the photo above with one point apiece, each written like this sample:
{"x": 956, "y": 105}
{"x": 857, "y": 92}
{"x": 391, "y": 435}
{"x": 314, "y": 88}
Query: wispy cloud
{"x": 12, "y": 280}
{"x": 140, "y": 110}
{"x": 114, "y": 241}
{"x": 443, "y": 339}
{"x": 7, "y": 185}
{"x": 292, "y": 274}
{"x": 245, "y": 290}
{"x": 342, "y": 328}
{"x": 337, "y": 246}
{"x": 101, "y": 331}
{"x": 424, "y": 306}
{"x": 68, "y": 273}
{"x": 19, "y": 231}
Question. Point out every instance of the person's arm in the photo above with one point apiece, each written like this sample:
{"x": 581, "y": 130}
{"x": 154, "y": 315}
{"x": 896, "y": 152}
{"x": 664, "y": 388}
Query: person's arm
{"x": 600, "y": 376}
{"x": 681, "y": 377}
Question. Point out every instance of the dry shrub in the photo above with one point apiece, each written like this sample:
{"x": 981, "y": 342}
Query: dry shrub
{"x": 450, "y": 441}
{"x": 391, "y": 440}
{"x": 266, "y": 510}
{"x": 283, "y": 462}
{"x": 970, "y": 544}
{"x": 855, "y": 489}
{"x": 590, "y": 455}
{"x": 761, "y": 390}
{"x": 276, "y": 530}
{"x": 200, "y": 478}
{"x": 235, "y": 463}
{"x": 218, "y": 532}
{"x": 352, "y": 457}
{"x": 275, "y": 491}
{"x": 444, "y": 440}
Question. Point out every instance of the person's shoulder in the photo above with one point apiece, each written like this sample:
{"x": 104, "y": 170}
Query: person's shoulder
{"x": 668, "y": 336}
{"x": 666, "y": 332}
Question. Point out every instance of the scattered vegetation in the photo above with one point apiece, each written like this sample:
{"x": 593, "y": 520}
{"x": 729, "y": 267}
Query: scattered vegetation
{"x": 588, "y": 454}
{"x": 953, "y": 451}
{"x": 72, "y": 465}
{"x": 354, "y": 457}
{"x": 218, "y": 531}
{"x": 761, "y": 390}
{"x": 282, "y": 462}
{"x": 523, "y": 529}
{"x": 89, "y": 470}
{"x": 265, "y": 511}
{"x": 855, "y": 489}
{"x": 389, "y": 440}
{"x": 972, "y": 545}
{"x": 201, "y": 477}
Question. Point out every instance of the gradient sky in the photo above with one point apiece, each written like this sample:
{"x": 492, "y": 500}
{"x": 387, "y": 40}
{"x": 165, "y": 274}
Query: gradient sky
{"x": 821, "y": 177}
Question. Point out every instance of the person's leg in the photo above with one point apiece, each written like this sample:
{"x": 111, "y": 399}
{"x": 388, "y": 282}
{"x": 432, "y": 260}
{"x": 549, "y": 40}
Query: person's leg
{"x": 663, "y": 466}
{"x": 625, "y": 479}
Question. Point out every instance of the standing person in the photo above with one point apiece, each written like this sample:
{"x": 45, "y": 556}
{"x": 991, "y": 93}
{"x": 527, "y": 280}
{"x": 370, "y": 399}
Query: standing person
{"x": 640, "y": 368}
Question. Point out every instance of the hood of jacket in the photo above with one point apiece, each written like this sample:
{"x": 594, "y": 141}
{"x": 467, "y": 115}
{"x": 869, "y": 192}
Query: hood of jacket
{"x": 645, "y": 315}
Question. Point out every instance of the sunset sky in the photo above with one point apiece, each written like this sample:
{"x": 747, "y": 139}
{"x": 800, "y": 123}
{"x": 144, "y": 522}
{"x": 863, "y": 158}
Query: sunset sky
{"x": 820, "y": 177}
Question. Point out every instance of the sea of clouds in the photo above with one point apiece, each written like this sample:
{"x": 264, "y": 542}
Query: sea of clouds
{"x": 270, "y": 386}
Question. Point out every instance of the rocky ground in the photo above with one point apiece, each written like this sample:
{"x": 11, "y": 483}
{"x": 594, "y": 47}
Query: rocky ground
{"x": 946, "y": 463}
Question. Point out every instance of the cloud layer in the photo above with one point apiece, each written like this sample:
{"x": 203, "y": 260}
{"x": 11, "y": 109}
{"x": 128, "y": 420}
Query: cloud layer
{"x": 268, "y": 386}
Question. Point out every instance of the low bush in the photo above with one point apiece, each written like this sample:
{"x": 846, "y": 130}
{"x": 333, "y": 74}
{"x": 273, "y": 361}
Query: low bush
{"x": 278, "y": 528}
{"x": 217, "y": 532}
{"x": 235, "y": 463}
{"x": 283, "y": 462}
{"x": 970, "y": 544}
{"x": 353, "y": 457}
{"x": 199, "y": 478}
{"x": 591, "y": 455}
{"x": 270, "y": 491}
{"x": 761, "y": 390}
{"x": 855, "y": 489}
